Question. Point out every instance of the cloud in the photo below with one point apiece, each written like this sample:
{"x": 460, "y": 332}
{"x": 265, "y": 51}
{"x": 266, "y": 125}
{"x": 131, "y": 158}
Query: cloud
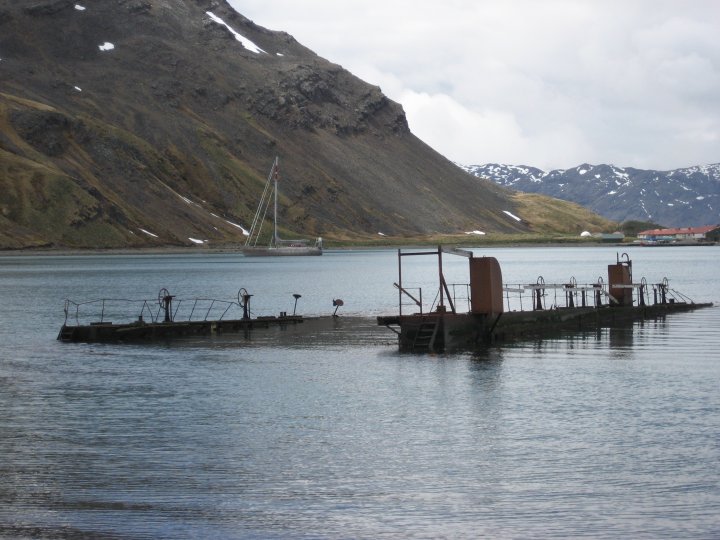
{"x": 550, "y": 84}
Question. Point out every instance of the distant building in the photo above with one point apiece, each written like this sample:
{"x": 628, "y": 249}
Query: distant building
{"x": 685, "y": 235}
{"x": 615, "y": 237}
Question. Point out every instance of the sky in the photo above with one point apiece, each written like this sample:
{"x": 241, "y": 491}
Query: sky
{"x": 546, "y": 83}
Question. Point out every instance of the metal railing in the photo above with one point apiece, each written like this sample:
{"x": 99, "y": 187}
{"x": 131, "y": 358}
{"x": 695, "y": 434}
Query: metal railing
{"x": 109, "y": 310}
{"x": 542, "y": 296}
{"x": 459, "y": 300}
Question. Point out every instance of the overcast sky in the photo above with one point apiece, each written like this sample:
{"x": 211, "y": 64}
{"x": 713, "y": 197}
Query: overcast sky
{"x": 547, "y": 83}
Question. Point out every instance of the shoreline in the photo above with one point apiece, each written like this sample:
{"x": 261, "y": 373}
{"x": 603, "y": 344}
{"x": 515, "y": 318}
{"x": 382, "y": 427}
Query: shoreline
{"x": 185, "y": 250}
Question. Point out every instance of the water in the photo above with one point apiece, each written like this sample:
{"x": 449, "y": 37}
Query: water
{"x": 607, "y": 434}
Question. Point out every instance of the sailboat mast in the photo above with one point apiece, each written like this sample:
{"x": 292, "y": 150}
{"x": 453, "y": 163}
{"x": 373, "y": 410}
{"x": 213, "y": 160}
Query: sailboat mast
{"x": 275, "y": 214}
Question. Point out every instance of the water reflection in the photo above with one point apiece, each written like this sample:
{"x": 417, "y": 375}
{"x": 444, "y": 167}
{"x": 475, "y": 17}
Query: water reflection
{"x": 620, "y": 340}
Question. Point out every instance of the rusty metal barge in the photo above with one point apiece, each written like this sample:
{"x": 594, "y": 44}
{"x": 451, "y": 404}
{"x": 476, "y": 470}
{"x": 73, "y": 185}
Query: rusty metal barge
{"x": 164, "y": 319}
{"x": 497, "y": 312}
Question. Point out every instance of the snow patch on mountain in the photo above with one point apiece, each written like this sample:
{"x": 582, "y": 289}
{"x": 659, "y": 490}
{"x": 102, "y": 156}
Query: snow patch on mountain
{"x": 249, "y": 45}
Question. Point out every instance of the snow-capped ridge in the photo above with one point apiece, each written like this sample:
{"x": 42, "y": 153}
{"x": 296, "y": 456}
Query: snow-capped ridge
{"x": 680, "y": 197}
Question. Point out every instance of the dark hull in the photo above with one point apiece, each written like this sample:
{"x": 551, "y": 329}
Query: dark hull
{"x": 448, "y": 331}
{"x": 142, "y": 331}
{"x": 285, "y": 331}
{"x": 282, "y": 252}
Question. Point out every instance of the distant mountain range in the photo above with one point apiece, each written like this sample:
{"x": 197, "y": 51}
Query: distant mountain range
{"x": 678, "y": 198}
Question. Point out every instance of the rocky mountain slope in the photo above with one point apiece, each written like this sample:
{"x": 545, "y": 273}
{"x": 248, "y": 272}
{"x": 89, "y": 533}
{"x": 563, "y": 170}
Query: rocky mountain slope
{"x": 154, "y": 122}
{"x": 678, "y": 198}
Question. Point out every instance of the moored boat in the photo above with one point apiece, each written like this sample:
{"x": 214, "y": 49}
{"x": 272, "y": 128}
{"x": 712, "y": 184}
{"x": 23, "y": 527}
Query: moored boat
{"x": 277, "y": 246}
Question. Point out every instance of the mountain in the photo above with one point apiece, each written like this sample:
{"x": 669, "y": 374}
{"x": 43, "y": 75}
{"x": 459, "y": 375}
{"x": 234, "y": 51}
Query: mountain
{"x": 154, "y": 122}
{"x": 677, "y": 198}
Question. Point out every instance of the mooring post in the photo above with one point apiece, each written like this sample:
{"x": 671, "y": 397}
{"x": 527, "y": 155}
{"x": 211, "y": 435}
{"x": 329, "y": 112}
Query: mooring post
{"x": 246, "y": 306}
{"x": 569, "y": 298}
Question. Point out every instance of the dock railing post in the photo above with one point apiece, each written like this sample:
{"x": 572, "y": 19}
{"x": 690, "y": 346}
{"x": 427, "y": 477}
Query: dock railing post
{"x": 441, "y": 281}
{"x": 400, "y": 289}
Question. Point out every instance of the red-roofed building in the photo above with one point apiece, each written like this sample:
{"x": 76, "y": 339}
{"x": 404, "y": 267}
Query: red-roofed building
{"x": 684, "y": 235}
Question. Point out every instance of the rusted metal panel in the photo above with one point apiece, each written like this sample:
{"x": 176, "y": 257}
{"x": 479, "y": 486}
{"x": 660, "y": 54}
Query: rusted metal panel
{"x": 486, "y": 287}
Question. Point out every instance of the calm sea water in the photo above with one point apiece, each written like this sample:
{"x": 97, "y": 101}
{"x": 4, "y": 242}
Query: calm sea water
{"x": 333, "y": 433}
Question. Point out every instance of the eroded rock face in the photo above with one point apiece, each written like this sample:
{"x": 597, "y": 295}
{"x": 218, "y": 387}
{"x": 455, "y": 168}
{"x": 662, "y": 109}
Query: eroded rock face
{"x": 44, "y": 9}
{"x": 139, "y": 6}
{"x": 46, "y": 131}
{"x": 308, "y": 98}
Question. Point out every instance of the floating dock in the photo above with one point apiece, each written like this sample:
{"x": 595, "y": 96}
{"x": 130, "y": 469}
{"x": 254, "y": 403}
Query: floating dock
{"x": 495, "y": 312}
{"x": 149, "y": 331}
{"x": 574, "y": 307}
{"x": 164, "y": 319}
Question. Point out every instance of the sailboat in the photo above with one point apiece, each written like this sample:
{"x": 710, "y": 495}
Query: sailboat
{"x": 277, "y": 245}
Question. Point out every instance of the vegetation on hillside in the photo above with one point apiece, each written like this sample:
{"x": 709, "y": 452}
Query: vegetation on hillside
{"x": 632, "y": 227}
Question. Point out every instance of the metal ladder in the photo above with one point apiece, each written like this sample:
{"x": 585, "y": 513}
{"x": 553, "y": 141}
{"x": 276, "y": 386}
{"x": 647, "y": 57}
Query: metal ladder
{"x": 425, "y": 335}
{"x": 66, "y": 333}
